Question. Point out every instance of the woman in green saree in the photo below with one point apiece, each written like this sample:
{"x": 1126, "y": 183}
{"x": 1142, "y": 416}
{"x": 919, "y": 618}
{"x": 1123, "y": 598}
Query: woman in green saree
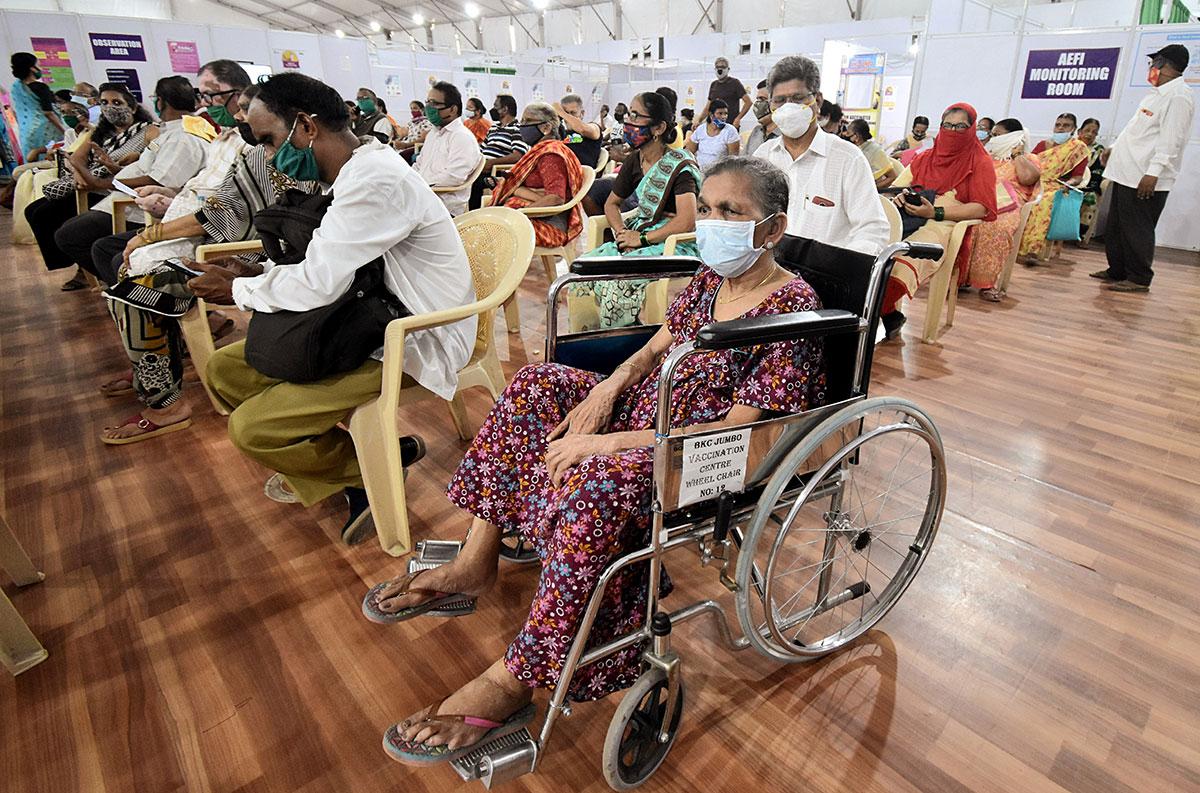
{"x": 666, "y": 182}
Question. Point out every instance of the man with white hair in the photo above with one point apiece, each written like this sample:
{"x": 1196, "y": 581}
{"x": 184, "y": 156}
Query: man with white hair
{"x": 833, "y": 196}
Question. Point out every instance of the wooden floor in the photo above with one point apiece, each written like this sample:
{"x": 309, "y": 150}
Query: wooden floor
{"x": 203, "y": 638}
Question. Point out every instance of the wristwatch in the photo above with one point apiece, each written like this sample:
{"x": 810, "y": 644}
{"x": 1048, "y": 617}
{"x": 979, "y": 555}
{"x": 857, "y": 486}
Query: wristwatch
{"x": 642, "y": 239}
{"x": 939, "y": 213}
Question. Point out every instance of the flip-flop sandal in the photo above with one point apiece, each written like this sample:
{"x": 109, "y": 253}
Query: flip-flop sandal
{"x": 75, "y": 284}
{"x": 118, "y": 387}
{"x": 276, "y": 490}
{"x": 992, "y": 295}
{"x": 152, "y": 430}
{"x": 442, "y": 604}
{"x": 405, "y": 751}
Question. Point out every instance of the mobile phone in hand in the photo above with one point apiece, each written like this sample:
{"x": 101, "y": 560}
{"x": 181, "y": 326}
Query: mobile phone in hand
{"x": 178, "y": 266}
{"x": 912, "y": 198}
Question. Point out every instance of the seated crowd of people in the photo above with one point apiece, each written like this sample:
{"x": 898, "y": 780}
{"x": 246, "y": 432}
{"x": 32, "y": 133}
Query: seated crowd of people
{"x": 224, "y": 160}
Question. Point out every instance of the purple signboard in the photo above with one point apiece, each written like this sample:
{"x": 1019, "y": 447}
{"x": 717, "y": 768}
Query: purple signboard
{"x": 129, "y": 77}
{"x": 117, "y": 47}
{"x": 1070, "y": 74}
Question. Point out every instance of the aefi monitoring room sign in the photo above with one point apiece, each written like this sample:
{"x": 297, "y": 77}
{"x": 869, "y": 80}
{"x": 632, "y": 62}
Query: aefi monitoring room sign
{"x": 1070, "y": 74}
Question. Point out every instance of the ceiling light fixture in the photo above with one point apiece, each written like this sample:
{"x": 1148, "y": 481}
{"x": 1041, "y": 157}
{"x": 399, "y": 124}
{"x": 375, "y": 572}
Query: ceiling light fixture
{"x": 540, "y": 4}
{"x": 375, "y": 26}
{"x": 418, "y": 18}
{"x": 472, "y": 10}
{"x": 341, "y": 34}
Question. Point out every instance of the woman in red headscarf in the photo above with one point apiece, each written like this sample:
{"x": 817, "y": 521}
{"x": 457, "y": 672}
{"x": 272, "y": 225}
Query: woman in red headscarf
{"x": 959, "y": 171}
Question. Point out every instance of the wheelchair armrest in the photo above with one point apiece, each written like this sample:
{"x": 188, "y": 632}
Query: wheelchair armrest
{"x": 640, "y": 266}
{"x": 925, "y": 250}
{"x": 775, "y": 328}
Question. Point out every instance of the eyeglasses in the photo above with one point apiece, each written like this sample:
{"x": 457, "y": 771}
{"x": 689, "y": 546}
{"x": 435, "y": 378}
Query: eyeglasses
{"x": 946, "y": 125}
{"x": 633, "y": 114}
{"x": 795, "y": 99}
{"x": 209, "y": 97}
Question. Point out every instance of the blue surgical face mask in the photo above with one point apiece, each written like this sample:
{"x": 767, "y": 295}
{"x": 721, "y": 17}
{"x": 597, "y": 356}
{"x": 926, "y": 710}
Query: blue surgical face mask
{"x": 727, "y": 246}
{"x": 982, "y": 134}
{"x": 1060, "y": 137}
{"x": 718, "y": 123}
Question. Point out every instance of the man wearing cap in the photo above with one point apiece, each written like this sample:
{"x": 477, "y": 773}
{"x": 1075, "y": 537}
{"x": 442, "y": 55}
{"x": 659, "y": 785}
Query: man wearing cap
{"x": 1142, "y": 166}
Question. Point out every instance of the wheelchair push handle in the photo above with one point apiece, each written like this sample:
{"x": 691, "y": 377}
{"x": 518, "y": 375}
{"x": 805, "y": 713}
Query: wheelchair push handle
{"x": 924, "y": 250}
{"x": 637, "y": 265}
{"x": 775, "y": 328}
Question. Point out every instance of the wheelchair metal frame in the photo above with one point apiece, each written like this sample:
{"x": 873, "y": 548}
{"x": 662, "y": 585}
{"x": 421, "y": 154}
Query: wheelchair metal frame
{"x": 520, "y": 753}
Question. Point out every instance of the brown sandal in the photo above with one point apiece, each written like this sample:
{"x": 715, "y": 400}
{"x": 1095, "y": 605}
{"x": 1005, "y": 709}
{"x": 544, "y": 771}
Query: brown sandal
{"x": 148, "y": 430}
{"x": 438, "y": 601}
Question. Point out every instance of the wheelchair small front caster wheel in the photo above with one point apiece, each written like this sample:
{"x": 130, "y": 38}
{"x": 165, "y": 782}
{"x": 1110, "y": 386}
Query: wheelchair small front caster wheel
{"x": 632, "y": 751}
{"x": 516, "y": 550}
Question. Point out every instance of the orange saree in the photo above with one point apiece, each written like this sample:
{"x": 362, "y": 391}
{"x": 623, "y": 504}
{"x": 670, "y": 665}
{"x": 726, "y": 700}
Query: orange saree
{"x": 552, "y": 167}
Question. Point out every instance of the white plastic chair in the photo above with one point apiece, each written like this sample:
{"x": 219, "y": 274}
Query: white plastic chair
{"x": 1006, "y": 273}
{"x": 20, "y": 650}
{"x": 943, "y": 287}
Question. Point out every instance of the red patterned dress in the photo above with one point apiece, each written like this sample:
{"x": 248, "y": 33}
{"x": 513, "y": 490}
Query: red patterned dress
{"x": 601, "y": 511}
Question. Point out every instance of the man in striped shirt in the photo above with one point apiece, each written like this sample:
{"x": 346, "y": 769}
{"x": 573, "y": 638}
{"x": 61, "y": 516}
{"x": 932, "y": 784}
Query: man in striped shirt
{"x": 502, "y": 146}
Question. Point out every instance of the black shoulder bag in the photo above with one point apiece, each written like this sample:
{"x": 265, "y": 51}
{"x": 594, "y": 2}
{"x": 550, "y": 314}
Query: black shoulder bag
{"x": 302, "y": 346}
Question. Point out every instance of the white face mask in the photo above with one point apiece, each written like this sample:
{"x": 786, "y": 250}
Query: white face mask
{"x": 1001, "y": 147}
{"x": 727, "y": 246}
{"x": 793, "y": 119}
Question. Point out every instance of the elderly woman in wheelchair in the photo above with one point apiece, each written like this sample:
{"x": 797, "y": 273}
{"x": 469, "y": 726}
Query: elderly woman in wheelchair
{"x": 566, "y": 460}
{"x": 740, "y": 429}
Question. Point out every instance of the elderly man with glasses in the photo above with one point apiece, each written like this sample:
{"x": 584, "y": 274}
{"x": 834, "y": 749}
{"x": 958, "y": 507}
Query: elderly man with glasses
{"x": 832, "y": 193}
{"x": 450, "y": 153}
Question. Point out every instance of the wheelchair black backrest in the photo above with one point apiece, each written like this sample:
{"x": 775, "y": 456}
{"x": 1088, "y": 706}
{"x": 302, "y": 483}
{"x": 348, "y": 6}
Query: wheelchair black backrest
{"x": 842, "y": 279}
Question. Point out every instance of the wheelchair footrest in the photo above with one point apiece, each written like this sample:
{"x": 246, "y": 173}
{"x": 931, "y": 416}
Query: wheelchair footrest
{"x": 499, "y": 761}
{"x": 435, "y": 553}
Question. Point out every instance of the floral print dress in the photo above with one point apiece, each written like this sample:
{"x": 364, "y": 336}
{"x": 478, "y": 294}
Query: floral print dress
{"x": 601, "y": 510}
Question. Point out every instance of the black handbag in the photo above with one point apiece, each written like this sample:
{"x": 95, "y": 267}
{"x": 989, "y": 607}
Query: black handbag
{"x": 302, "y": 346}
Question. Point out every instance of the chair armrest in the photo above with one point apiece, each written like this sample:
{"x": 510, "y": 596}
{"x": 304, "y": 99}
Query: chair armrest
{"x": 775, "y": 328}
{"x": 216, "y": 250}
{"x": 541, "y": 212}
{"x": 449, "y": 188}
{"x": 639, "y": 266}
{"x": 673, "y": 240}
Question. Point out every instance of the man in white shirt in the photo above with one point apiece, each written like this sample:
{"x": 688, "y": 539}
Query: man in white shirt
{"x": 172, "y": 158}
{"x": 1142, "y": 166}
{"x": 451, "y": 152}
{"x": 381, "y": 208}
{"x": 833, "y": 198}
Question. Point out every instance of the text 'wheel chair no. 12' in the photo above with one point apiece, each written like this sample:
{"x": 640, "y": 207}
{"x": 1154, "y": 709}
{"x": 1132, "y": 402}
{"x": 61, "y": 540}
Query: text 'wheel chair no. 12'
{"x": 823, "y": 517}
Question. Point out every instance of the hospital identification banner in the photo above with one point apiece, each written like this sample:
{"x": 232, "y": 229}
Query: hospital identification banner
{"x": 1070, "y": 74}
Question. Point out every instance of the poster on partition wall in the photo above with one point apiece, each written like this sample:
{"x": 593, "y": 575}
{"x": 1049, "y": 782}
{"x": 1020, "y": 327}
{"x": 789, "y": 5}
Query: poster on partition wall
{"x": 1078, "y": 73}
{"x": 55, "y": 61}
{"x": 184, "y": 57}
{"x": 129, "y": 77}
{"x": 1153, "y": 41}
{"x": 117, "y": 47}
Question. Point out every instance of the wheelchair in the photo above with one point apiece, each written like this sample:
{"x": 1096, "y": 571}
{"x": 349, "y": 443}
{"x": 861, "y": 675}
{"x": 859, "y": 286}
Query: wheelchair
{"x": 806, "y": 518}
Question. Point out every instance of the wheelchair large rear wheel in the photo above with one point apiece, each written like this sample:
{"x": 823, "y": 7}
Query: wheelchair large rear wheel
{"x": 841, "y": 529}
{"x": 632, "y": 751}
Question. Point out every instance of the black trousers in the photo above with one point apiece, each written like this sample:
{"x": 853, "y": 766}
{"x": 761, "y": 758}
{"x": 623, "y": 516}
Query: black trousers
{"x": 76, "y": 237}
{"x": 1129, "y": 236}
{"x": 108, "y": 254}
{"x": 46, "y": 216}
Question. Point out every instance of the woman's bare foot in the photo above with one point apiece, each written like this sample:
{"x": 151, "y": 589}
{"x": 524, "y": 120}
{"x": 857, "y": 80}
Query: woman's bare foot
{"x": 173, "y": 414}
{"x": 472, "y": 572}
{"x": 118, "y": 386}
{"x": 495, "y": 695}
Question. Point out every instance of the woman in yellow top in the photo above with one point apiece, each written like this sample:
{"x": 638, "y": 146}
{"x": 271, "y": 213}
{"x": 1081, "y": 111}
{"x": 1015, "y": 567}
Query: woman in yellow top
{"x": 1063, "y": 158}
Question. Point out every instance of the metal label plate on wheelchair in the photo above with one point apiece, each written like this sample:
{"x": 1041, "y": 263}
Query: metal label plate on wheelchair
{"x": 712, "y": 464}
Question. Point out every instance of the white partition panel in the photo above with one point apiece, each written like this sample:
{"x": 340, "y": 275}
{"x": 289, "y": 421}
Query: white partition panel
{"x": 345, "y": 64}
{"x": 158, "y": 45}
{"x": 289, "y": 47}
{"x": 983, "y": 82}
{"x": 243, "y": 44}
{"x": 20, "y": 26}
{"x": 147, "y": 71}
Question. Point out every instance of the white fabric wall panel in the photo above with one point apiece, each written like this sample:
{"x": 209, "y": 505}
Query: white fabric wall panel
{"x": 204, "y": 12}
{"x": 345, "y": 64}
{"x": 1038, "y": 114}
{"x": 306, "y": 46}
{"x": 20, "y": 26}
{"x": 161, "y": 32}
{"x": 148, "y": 71}
{"x": 984, "y": 82}
{"x": 1177, "y": 228}
{"x": 243, "y": 44}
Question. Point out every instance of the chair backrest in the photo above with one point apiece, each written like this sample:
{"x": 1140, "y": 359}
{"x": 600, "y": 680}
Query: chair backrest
{"x": 842, "y": 279}
{"x": 499, "y": 245}
{"x": 475, "y": 173}
{"x": 893, "y": 217}
{"x": 589, "y": 178}
{"x": 602, "y": 160}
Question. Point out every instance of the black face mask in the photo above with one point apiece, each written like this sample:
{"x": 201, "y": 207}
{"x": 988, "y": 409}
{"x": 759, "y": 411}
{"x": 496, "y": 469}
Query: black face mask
{"x": 494, "y": 114}
{"x": 247, "y": 133}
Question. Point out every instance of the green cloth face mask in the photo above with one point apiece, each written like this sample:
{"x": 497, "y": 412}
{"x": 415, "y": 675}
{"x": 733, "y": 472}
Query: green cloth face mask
{"x": 300, "y": 164}
{"x": 367, "y": 106}
{"x": 434, "y": 115}
{"x": 71, "y": 121}
{"x": 221, "y": 115}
